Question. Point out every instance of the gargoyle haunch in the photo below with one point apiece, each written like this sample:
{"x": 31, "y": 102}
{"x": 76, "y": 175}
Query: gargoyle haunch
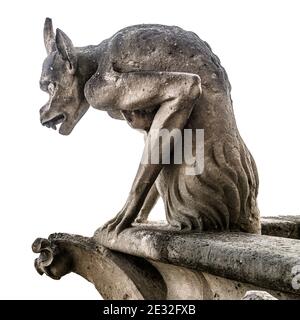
{"x": 159, "y": 77}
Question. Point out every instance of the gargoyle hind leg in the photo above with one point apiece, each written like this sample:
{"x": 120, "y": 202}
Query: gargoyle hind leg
{"x": 176, "y": 94}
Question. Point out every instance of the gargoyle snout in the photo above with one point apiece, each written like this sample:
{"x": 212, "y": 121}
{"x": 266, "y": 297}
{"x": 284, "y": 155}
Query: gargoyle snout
{"x": 44, "y": 109}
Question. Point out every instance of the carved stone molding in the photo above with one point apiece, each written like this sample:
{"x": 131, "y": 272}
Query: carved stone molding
{"x": 115, "y": 275}
{"x": 264, "y": 261}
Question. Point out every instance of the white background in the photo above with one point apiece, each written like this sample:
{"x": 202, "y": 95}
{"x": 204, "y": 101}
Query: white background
{"x": 51, "y": 183}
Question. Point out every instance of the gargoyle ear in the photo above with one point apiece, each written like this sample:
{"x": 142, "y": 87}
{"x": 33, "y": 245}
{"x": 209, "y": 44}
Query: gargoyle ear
{"x": 49, "y": 37}
{"x": 66, "y": 49}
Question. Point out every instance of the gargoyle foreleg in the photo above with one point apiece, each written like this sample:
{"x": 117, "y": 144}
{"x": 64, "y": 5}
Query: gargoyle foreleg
{"x": 176, "y": 94}
{"x": 148, "y": 204}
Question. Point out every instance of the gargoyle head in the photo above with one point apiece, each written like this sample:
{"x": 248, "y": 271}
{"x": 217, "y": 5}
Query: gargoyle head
{"x": 61, "y": 80}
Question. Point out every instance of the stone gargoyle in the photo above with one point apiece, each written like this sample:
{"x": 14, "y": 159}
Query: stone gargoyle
{"x": 159, "y": 77}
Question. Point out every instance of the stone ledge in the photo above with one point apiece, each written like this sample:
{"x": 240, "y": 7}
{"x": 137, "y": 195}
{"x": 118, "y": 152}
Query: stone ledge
{"x": 260, "y": 260}
{"x": 281, "y": 226}
{"x": 155, "y": 262}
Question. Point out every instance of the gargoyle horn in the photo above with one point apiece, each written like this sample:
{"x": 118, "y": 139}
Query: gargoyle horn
{"x": 49, "y": 36}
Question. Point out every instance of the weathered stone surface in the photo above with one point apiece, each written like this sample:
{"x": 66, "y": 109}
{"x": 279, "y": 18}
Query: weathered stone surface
{"x": 160, "y": 78}
{"x": 263, "y": 261}
{"x": 281, "y": 226}
{"x": 184, "y": 283}
{"x": 115, "y": 275}
{"x": 258, "y": 295}
{"x": 121, "y": 276}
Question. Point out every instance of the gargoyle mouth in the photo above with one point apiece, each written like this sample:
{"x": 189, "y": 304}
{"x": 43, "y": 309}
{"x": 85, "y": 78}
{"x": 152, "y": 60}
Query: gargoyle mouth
{"x": 52, "y": 123}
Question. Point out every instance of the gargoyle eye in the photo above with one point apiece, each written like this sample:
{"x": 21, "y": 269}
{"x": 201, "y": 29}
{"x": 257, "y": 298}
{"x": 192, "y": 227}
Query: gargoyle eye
{"x": 51, "y": 88}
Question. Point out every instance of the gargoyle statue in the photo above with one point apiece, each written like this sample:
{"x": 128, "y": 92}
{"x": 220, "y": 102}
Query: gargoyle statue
{"x": 159, "y": 77}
